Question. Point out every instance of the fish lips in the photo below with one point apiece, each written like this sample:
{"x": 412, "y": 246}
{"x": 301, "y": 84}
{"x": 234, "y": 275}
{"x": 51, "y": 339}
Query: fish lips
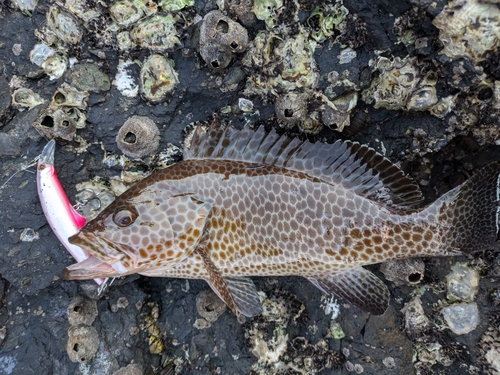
{"x": 90, "y": 268}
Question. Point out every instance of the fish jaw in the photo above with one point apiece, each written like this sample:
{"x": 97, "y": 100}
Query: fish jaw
{"x": 90, "y": 268}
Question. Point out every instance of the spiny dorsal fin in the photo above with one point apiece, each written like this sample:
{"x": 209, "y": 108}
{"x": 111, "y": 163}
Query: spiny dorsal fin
{"x": 355, "y": 167}
{"x": 359, "y": 286}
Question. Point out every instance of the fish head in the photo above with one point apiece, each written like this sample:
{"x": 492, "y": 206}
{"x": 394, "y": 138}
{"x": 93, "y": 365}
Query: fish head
{"x": 149, "y": 230}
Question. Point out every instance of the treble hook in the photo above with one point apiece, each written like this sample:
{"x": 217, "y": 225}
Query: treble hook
{"x": 93, "y": 196}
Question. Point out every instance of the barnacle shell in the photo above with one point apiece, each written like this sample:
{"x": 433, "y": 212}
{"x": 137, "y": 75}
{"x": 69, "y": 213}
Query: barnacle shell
{"x": 209, "y": 305}
{"x": 82, "y": 311}
{"x": 415, "y": 319}
{"x": 139, "y": 136}
{"x": 158, "y": 78}
{"x": 25, "y": 5}
{"x": 174, "y": 5}
{"x": 324, "y": 18}
{"x": 291, "y": 108}
{"x": 80, "y": 8}
{"x": 461, "y": 318}
{"x": 156, "y": 33}
{"x": 83, "y": 342}
{"x": 127, "y": 12}
{"x": 24, "y": 97}
{"x": 423, "y": 99}
{"x": 64, "y": 25}
{"x": 336, "y": 113}
{"x": 400, "y": 83}
{"x": 469, "y": 28}
{"x": 462, "y": 283}
{"x": 40, "y": 53}
{"x": 408, "y": 271}
{"x": 55, "y": 66}
{"x": 55, "y": 124}
{"x": 267, "y": 11}
{"x": 68, "y": 96}
{"x": 224, "y": 32}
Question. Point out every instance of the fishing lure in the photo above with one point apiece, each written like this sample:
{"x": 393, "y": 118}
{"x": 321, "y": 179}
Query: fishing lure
{"x": 62, "y": 217}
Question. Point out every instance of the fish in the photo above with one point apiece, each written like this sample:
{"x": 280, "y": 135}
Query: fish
{"x": 62, "y": 217}
{"x": 247, "y": 203}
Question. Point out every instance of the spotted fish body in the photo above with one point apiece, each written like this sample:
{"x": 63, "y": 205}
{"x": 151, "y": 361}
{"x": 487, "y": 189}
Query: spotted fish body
{"x": 245, "y": 203}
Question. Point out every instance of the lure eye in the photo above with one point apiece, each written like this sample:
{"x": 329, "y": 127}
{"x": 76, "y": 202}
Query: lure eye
{"x": 41, "y": 167}
{"x": 123, "y": 217}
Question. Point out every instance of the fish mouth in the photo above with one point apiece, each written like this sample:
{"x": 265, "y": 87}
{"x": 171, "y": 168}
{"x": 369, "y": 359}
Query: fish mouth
{"x": 98, "y": 264}
{"x": 90, "y": 268}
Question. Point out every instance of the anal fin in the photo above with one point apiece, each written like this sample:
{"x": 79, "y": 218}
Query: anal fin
{"x": 359, "y": 286}
{"x": 239, "y": 293}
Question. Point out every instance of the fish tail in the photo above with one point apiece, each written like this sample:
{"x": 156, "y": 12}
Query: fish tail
{"x": 471, "y": 212}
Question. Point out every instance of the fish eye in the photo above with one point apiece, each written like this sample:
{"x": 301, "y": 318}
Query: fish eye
{"x": 123, "y": 217}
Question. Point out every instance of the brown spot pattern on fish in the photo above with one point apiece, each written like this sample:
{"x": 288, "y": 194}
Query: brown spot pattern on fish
{"x": 247, "y": 203}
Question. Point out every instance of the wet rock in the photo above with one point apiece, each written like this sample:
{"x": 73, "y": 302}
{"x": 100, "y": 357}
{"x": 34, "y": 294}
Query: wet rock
{"x": 11, "y": 142}
{"x": 4, "y": 96}
{"x": 403, "y": 271}
{"x": 132, "y": 369}
{"x": 461, "y": 318}
{"x": 462, "y": 283}
{"x": 209, "y": 305}
{"x": 139, "y": 136}
{"x": 83, "y": 342}
{"x": 88, "y": 77}
{"x": 82, "y": 311}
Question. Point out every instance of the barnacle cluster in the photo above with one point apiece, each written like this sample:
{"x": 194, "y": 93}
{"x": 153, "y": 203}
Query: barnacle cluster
{"x": 276, "y": 350}
{"x": 83, "y": 340}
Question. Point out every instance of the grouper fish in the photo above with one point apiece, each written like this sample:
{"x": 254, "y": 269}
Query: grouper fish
{"x": 248, "y": 203}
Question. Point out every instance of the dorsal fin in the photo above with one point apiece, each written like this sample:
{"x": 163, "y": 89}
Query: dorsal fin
{"x": 356, "y": 167}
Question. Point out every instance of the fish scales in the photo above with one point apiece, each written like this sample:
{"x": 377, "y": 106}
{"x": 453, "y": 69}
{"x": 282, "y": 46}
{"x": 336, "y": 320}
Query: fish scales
{"x": 247, "y": 203}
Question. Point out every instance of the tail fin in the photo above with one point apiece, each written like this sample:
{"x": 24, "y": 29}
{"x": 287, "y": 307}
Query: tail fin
{"x": 473, "y": 211}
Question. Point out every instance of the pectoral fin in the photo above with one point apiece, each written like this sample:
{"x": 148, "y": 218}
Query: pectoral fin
{"x": 359, "y": 286}
{"x": 238, "y": 293}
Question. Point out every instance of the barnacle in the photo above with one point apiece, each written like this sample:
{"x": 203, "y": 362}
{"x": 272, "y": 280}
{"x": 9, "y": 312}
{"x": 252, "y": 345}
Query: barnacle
{"x": 209, "y": 305}
{"x": 83, "y": 9}
{"x": 219, "y": 38}
{"x": 23, "y": 97}
{"x": 25, "y": 5}
{"x": 336, "y": 113}
{"x": 461, "y": 318}
{"x": 157, "y": 33}
{"x": 324, "y": 18}
{"x": 68, "y": 96}
{"x": 408, "y": 271}
{"x": 64, "y": 25}
{"x": 415, "y": 319}
{"x": 291, "y": 108}
{"x": 462, "y": 282}
{"x": 139, "y": 136}
{"x": 174, "y": 5}
{"x": 89, "y": 77}
{"x": 83, "y": 342}
{"x": 127, "y": 12}
{"x": 82, "y": 311}
{"x": 401, "y": 84}
{"x": 469, "y": 28}
{"x": 158, "y": 78}
{"x": 54, "y": 65}
{"x": 267, "y": 11}
{"x": 55, "y": 124}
